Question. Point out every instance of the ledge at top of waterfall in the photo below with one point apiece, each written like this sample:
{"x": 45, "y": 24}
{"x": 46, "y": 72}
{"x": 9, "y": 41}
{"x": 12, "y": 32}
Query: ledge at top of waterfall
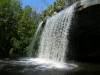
{"x": 87, "y": 3}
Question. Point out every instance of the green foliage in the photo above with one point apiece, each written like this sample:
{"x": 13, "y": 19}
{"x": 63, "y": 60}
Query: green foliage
{"x": 56, "y": 7}
{"x": 17, "y": 26}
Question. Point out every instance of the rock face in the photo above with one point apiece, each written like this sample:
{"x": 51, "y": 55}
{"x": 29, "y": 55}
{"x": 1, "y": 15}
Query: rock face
{"x": 84, "y": 34}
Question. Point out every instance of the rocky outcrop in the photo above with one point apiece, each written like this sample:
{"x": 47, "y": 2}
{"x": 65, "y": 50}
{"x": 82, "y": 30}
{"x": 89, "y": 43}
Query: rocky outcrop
{"x": 84, "y": 33}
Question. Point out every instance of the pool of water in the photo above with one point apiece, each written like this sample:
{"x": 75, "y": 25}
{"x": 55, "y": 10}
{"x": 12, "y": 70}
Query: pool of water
{"x": 30, "y": 66}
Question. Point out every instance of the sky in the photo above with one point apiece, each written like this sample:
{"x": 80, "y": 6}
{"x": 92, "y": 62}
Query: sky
{"x": 38, "y": 5}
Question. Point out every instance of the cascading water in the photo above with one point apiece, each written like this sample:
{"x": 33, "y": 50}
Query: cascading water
{"x": 39, "y": 28}
{"x": 36, "y": 36}
{"x": 53, "y": 43}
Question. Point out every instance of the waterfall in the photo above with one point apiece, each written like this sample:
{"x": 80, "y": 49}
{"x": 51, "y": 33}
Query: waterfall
{"x": 38, "y": 29}
{"x": 53, "y": 42}
{"x": 34, "y": 40}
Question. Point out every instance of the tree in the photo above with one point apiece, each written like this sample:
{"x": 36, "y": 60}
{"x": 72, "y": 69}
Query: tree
{"x": 17, "y": 26}
{"x": 8, "y": 24}
{"x": 56, "y": 7}
{"x": 25, "y": 30}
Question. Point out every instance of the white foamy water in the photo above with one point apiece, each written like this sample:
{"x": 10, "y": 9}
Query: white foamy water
{"x": 46, "y": 64}
{"x": 56, "y": 65}
{"x": 53, "y": 44}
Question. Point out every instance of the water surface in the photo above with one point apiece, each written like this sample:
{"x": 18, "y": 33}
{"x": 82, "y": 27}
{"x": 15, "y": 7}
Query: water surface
{"x": 30, "y": 66}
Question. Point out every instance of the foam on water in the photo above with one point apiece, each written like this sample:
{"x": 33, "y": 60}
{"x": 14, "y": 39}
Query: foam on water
{"x": 48, "y": 64}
